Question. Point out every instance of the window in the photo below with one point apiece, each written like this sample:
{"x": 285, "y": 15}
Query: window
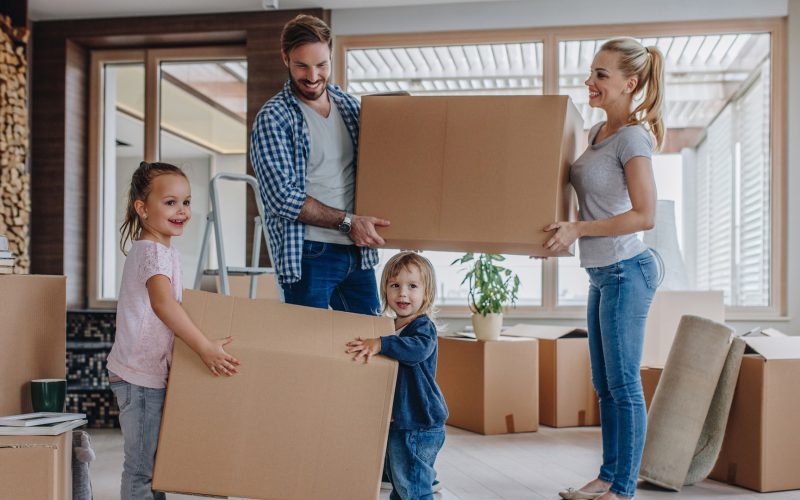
{"x": 718, "y": 177}
{"x": 185, "y": 107}
{"x": 717, "y": 100}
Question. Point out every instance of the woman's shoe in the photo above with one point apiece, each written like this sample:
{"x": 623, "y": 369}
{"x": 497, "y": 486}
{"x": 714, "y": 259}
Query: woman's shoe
{"x": 573, "y": 494}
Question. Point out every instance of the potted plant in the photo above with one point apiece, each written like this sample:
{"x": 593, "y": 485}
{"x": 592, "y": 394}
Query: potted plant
{"x": 491, "y": 287}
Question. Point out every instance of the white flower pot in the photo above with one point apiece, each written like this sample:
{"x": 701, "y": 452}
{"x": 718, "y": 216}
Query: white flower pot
{"x": 487, "y": 327}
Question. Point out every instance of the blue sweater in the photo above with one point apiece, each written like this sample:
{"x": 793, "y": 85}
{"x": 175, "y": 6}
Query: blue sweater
{"x": 418, "y": 402}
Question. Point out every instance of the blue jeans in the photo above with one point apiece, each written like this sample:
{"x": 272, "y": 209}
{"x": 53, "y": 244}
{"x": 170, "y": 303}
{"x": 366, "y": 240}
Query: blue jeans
{"x": 410, "y": 456}
{"x": 140, "y": 411}
{"x": 619, "y": 299}
{"x": 332, "y": 276}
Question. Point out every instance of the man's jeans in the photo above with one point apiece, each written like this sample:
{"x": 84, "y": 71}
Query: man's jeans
{"x": 140, "y": 411}
{"x": 619, "y": 299}
{"x": 410, "y": 456}
{"x": 332, "y": 276}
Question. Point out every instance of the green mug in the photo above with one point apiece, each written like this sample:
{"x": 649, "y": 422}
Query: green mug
{"x": 48, "y": 394}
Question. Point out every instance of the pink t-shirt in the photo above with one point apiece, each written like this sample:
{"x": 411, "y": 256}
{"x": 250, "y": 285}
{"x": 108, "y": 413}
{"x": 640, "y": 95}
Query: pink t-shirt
{"x": 142, "y": 351}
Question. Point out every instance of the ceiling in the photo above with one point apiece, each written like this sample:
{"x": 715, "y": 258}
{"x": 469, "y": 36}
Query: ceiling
{"x": 44, "y": 10}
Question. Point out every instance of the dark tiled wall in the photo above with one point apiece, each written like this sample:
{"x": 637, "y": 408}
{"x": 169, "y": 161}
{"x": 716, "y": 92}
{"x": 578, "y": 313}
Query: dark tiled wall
{"x": 90, "y": 335}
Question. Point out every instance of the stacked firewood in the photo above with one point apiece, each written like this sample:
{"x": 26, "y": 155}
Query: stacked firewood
{"x": 15, "y": 199}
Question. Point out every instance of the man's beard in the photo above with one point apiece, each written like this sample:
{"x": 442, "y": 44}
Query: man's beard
{"x": 308, "y": 96}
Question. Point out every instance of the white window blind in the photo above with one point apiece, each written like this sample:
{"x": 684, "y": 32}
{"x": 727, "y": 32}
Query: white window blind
{"x": 753, "y": 216}
{"x": 732, "y": 199}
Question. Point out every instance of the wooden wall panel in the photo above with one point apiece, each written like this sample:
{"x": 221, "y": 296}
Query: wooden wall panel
{"x": 47, "y": 159}
{"x": 59, "y": 113}
{"x": 76, "y": 139}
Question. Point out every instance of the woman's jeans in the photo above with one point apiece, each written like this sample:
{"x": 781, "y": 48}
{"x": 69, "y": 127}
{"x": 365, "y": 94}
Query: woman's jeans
{"x": 619, "y": 299}
{"x": 410, "y": 456}
{"x": 140, "y": 411}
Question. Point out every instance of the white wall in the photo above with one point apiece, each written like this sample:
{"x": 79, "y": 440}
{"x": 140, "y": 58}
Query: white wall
{"x": 541, "y": 13}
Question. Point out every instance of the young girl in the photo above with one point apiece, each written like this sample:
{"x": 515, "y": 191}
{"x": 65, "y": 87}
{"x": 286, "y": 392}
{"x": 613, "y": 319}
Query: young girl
{"x": 617, "y": 197}
{"x": 148, "y": 314}
{"x": 416, "y": 433}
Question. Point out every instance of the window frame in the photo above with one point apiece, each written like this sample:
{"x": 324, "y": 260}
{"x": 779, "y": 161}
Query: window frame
{"x": 551, "y": 37}
{"x": 151, "y": 58}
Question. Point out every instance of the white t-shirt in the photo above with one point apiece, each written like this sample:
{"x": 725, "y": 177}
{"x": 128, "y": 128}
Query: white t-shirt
{"x": 142, "y": 350}
{"x": 330, "y": 173}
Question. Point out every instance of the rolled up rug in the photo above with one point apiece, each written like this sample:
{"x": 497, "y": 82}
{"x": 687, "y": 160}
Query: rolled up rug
{"x": 682, "y": 400}
{"x": 710, "y": 442}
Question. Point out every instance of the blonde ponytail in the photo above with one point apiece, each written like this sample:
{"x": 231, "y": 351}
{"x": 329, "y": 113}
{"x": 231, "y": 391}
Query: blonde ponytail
{"x": 647, "y": 64}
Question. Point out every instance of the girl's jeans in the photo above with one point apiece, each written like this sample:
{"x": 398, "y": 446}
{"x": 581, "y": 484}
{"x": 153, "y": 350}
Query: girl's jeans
{"x": 619, "y": 299}
{"x": 140, "y": 411}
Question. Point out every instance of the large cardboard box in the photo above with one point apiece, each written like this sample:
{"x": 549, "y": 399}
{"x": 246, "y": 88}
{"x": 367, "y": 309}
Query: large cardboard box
{"x": 650, "y": 378}
{"x": 36, "y": 467}
{"x": 566, "y": 394}
{"x": 266, "y": 285}
{"x": 761, "y": 449}
{"x": 488, "y": 172}
{"x": 665, "y": 313}
{"x": 301, "y": 420}
{"x": 33, "y": 332}
{"x": 490, "y": 387}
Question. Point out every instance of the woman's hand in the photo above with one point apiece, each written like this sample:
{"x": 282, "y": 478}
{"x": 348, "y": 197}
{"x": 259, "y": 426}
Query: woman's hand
{"x": 566, "y": 234}
{"x": 363, "y": 348}
{"x": 217, "y": 360}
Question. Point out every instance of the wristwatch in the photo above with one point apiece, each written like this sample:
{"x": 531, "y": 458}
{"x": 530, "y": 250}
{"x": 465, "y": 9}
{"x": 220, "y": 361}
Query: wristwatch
{"x": 346, "y": 224}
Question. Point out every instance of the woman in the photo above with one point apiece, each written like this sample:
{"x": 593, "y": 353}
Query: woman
{"x": 617, "y": 196}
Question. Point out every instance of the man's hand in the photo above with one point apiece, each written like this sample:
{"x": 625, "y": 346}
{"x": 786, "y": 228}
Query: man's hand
{"x": 363, "y": 231}
{"x": 364, "y": 348}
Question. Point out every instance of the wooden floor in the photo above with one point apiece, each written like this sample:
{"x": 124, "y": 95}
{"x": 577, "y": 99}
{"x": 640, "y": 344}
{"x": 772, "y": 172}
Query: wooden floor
{"x": 528, "y": 466}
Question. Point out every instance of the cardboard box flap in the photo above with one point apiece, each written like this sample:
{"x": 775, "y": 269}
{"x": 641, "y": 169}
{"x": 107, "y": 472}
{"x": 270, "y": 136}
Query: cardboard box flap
{"x": 774, "y": 347}
{"x": 309, "y": 330}
{"x": 764, "y": 332}
{"x": 546, "y": 332}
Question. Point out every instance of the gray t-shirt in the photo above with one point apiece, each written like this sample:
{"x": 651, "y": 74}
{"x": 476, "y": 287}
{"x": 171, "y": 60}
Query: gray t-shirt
{"x": 330, "y": 174}
{"x": 599, "y": 180}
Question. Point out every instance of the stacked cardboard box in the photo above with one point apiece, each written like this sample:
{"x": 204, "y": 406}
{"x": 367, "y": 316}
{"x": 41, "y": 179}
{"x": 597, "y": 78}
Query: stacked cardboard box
{"x": 36, "y": 467}
{"x": 566, "y": 395}
{"x": 490, "y": 386}
{"x": 32, "y": 345}
{"x": 32, "y": 337}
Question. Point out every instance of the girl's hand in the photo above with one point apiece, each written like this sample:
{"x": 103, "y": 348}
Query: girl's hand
{"x": 364, "y": 348}
{"x": 566, "y": 234}
{"x": 219, "y": 361}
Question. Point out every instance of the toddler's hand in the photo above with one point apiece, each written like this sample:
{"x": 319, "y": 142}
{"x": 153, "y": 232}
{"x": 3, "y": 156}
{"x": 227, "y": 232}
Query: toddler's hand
{"x": 364, "y": 348}
{"x": 219, "y": 361}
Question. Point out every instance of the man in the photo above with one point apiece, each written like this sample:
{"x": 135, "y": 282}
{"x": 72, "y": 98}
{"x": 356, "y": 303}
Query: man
{"x": 304, "y": 149}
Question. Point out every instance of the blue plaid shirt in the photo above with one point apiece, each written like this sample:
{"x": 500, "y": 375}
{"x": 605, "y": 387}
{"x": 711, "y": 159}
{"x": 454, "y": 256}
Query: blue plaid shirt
{"x": 279, "y": 151}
